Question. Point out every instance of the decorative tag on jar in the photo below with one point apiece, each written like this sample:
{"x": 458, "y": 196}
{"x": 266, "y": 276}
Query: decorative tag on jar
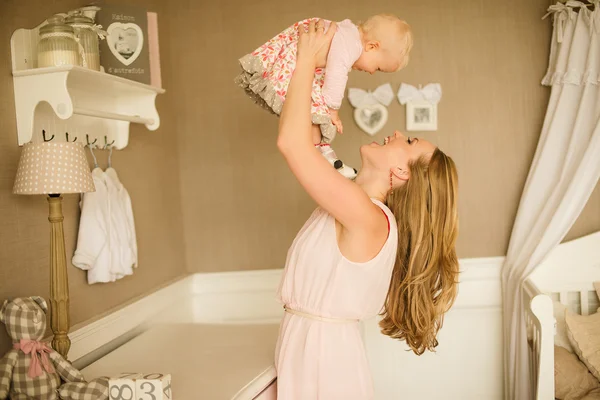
{"x": 125, "y": 50}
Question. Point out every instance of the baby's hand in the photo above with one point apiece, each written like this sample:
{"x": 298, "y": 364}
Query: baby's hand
{"x": 335, "y": 120}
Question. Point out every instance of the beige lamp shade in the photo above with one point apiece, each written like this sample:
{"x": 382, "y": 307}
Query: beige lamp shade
{"x": 53, "y": 168}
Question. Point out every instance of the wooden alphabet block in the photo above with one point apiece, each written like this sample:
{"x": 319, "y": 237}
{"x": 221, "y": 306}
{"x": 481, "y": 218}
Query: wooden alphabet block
{"x": 138, "y": 386}
{"x": 122, "y": 386}
{"x": 153, "y": 386}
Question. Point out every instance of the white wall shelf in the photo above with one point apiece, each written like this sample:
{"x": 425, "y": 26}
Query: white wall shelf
{"x": 84, "y": 103}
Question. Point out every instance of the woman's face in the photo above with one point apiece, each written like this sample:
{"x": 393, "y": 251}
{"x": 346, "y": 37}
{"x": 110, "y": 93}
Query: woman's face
{"x": 396, "y": 151}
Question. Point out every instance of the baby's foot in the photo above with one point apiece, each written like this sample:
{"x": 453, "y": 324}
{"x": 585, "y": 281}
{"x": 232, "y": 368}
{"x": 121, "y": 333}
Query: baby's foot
{"x": 338, "y": 164}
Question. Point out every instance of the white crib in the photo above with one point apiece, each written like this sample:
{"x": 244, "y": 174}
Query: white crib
{"x": 566, "y": 276}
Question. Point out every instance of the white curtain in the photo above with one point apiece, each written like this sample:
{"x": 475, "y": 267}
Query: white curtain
{"x": 563, "y": 174}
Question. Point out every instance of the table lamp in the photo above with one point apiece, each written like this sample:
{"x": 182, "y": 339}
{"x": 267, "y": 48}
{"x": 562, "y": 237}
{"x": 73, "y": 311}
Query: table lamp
{"x": 54, "y": 169}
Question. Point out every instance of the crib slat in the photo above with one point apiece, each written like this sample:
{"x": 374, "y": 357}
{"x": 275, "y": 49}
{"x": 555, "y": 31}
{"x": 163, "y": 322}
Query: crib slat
{"x": 585, "y": 307}
{"x": 563, "y": 297}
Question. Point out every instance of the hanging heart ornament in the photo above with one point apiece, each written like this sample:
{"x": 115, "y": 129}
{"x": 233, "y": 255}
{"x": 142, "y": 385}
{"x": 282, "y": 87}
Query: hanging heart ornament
{"x": 371, "y": 118}
{"x": 370, "y": 112}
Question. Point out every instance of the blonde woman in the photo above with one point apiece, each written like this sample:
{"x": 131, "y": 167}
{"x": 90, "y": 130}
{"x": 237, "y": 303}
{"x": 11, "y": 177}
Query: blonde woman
{"x": 384, "y": 243}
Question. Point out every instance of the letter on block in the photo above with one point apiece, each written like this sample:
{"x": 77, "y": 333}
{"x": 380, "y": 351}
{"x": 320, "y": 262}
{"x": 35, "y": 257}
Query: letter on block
{"x": 122, "y": 387}
{"x": 153, "y": 387}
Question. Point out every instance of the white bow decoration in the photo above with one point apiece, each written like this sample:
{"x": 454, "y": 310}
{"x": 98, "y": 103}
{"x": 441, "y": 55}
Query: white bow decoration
{"x": 362, "y": 98}
{"x": 431, "y": 92}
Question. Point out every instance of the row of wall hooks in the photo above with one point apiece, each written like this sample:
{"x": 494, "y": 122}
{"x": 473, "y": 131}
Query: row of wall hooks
{"x": 87, "y": 139}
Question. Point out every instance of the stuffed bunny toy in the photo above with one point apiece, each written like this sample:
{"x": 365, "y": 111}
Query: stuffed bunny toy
{"x": 32, "y": 370}
{"x": 93, "y": 390}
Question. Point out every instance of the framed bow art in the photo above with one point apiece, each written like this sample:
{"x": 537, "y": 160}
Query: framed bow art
{"x": 370, "y": 113}
{"x": 421, "y": 106}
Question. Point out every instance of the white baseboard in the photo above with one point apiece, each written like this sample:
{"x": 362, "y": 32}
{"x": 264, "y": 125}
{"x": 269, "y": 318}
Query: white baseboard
{"x": 479, "y": 288}
{"x": 93, "y": 336}
{"x": 237, "y": 297}
{"x": 249, "y": 297}
{"x": 480, "y": 284}
{"x": 237, "y": 281}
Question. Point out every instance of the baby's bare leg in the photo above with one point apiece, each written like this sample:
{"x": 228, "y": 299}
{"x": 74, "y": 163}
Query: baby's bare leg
{"x": 316, "y": 134}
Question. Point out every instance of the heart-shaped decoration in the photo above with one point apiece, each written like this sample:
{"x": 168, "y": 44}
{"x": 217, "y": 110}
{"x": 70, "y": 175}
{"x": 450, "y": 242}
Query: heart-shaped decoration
{"x": 125, "y": 41}
{"x": 371, "y": 118}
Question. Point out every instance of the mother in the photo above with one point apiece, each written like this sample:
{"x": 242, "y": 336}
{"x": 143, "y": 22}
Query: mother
{"x": 384, "y": 243}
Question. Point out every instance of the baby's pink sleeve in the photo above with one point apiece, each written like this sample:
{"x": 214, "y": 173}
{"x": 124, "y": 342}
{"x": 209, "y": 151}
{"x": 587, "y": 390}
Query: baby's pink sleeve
{"x": 344, "y": 51}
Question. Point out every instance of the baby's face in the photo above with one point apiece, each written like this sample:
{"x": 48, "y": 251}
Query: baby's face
{"x": 377, "y": 59}
{"x": 385, "y": 49}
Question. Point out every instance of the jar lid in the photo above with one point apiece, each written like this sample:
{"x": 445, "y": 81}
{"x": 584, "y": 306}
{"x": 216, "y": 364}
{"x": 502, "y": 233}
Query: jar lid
{"x": 79, "y": 19}
{"x": 56, "y": 24}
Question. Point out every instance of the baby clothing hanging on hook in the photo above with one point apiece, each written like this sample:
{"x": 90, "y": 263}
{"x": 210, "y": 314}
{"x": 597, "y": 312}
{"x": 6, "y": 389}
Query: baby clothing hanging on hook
{"x": 106, "y": 244}
{"x": 122, "y": 224}
{"x": 93, "y": 253}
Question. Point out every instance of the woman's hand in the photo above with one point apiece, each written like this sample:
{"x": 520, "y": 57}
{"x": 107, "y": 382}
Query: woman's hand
{"x": 314, "y": 43}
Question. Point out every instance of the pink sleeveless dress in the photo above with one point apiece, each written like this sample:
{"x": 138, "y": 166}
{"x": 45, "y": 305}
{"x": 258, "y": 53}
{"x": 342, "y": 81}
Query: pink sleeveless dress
{"x": 319, "y": 360}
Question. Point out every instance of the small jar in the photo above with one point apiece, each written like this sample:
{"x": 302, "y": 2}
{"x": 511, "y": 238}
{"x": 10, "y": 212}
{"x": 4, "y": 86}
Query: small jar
{"x": 87, "y": 36}
{"x": 57, "y": 45}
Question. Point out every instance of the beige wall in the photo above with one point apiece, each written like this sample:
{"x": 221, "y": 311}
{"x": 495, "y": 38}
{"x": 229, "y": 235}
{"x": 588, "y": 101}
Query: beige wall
{"x": 243, "y": 207}
{"x": 148, "y": 168}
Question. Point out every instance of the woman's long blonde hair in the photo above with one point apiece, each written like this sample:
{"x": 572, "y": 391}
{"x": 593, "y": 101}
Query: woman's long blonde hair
{"x": 425, "y": 276}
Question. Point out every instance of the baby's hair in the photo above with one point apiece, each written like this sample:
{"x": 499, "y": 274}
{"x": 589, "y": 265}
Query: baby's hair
{"x": 372, "y": 31}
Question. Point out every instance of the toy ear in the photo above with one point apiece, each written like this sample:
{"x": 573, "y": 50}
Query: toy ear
{"x": 41, "y": 302}
{"x": 2, "y": 309}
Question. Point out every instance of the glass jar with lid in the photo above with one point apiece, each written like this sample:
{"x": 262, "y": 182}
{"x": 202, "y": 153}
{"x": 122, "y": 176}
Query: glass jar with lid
{"x": 86, "y": 34}
{"x": 57, "y": 45}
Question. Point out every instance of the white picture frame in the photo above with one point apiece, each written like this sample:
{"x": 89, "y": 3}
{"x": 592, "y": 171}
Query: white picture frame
{"x": 421, "y": 115}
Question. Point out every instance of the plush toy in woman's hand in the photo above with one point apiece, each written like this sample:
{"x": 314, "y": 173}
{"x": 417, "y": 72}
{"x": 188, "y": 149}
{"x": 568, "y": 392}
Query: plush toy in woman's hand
{"x": 382, "y": 43}
{"x": 32, "y": 370}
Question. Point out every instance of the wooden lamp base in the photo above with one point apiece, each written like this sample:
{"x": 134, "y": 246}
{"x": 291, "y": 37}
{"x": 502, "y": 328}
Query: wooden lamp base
{"x": 59, "y": 283}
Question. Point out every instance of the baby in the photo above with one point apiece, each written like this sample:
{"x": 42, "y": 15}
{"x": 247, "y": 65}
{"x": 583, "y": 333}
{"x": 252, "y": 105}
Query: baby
{"x": 380, "y": 44}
